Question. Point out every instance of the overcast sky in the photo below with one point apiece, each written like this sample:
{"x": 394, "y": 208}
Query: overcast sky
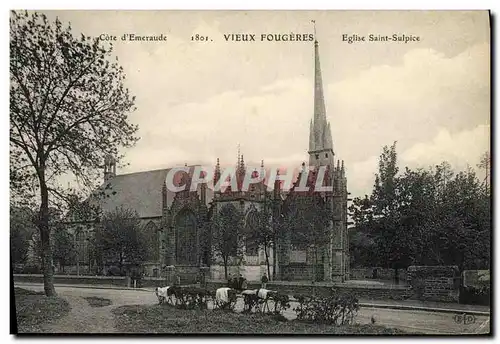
{"x": 198, "y": 100}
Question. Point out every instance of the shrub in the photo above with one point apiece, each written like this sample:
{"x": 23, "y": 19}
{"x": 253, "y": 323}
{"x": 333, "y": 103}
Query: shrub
{"x": 280, "y": 302}
{"x": 192, "y": 297}
{"x": 334, "y": 309}
{"x": 475, "y": 295}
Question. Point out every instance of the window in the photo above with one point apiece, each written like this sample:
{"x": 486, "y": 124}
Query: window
{"x": 326, "y": 155}
{"x": 251, "y": 244}
{"x": 82, "y": 246}
{"x": 151, "y": 232}
{"x": 228, "y": 220}
{"x": 185, "y": 228}
{"x": 317, "y": 156}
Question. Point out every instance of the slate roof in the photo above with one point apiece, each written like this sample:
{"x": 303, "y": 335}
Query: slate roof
{"x": 140, "y": 191}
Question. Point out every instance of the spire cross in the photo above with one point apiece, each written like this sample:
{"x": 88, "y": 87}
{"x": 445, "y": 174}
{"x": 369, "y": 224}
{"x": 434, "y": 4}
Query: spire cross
{"x": 314, "y": 28}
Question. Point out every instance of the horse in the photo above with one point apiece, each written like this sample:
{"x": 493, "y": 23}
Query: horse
{"x": 225, "y": 298}
{"x": 165, "y": 294}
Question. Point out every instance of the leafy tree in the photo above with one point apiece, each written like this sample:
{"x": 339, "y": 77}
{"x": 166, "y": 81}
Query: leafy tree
{"x": 384, "y": 190}
{"x": 465, "y": 220}
{"x": 362, "y": 246}
{"x": 68, "y": 110}
{"x": 64, "y": 247}
{"x": 309, "y": 220}
{"x": 120, "y": 239}
{"x": 227, "y": 229}
{"x": 424, "y": 217}
{"x": 263, "y": 231}
{"x": 21, "y": 231}
{"x": 485, "y": 163}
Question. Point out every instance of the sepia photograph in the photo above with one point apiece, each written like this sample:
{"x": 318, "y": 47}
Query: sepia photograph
{"x": 256, "y": 172}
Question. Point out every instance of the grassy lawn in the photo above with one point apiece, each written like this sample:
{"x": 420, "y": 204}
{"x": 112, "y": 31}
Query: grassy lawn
{"x": 33, "y": 309}
{"x": 167, "y": 319}
{"x": 97, "y": 301}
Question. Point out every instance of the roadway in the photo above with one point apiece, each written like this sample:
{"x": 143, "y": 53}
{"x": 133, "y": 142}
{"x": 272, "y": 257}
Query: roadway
{"x": 413, "y": 321}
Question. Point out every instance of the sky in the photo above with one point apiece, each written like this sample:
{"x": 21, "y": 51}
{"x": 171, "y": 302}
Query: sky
{"x": 197, "y": 101}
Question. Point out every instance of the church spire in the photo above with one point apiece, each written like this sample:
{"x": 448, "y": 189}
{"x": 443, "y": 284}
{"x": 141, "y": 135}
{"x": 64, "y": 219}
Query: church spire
{"x": 311, "y": 136}
{"x": 217, "y": 172}
{"x": 319, "y": 99}
{"x": 320, "y": 136}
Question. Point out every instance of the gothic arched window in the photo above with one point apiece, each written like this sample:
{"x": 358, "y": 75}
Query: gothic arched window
{"x": 151, "y": 232}
{"x": 185, "y": 228}
{"x": 297, "y": 227}
{"x": 81, "y": 245}
{"x": 251, "y": 227}
{"x": 227, "y": 224}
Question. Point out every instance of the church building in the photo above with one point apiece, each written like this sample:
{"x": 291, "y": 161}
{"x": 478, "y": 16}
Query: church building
{"x": 180, "y": 224}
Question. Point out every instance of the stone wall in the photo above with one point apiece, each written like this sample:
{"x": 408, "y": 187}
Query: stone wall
{"x": 301, "y": 272}
{"x": 383, "y": 274}
{"x": 365, "y": 293}
{"x": 118, "y": 281}
{"x": 250, "y": 272}
{"x": 188, "y": 274}
{"x": 434, "y": 283}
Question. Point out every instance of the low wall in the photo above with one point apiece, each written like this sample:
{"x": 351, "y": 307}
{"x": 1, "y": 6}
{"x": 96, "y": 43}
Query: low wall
{"x": 188, "y": 274}
{"x": 383, "y": 274}
{"x": 70, "y": 279}
{"x": 434, "y": 283}
{"x": 249, "y": 272}
{"x": 301, "y": 272}
{"x": 119, "y": 281}
{"x": 323, "y": 289}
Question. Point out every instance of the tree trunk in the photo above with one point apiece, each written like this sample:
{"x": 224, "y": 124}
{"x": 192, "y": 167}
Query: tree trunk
{"x": 314, "y": 273}
{"x": 267, "y": 262}
{"x": 43, "y": 226}
{"x": 121, "y": 262}
{"x": 275, "y": 245}
{"x": 225, "y": 266}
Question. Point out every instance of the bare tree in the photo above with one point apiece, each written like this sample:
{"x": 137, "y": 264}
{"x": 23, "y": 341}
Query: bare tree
{"x": 68, "y": 110}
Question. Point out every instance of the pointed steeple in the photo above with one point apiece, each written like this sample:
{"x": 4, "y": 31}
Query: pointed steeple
{"x": 240, "y": 170}
{"x": 328, "y": 137}
{"x": 217, "y": 172}
{"x": 262, "y": 173}
{"x": 320, "y": 136}
{"x": 238, "y": 163}
{"x": 311, "y": 136}
{"x": 319, "y": 99}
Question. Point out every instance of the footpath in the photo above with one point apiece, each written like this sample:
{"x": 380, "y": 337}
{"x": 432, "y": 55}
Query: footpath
{"x": 415, "y": 305}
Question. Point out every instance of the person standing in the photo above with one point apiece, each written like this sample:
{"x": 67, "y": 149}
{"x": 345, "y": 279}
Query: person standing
{"x": 264, "y": 281}
{"x": 241, "y": 280}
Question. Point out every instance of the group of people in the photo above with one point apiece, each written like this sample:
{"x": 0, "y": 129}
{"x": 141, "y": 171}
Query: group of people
{"x": 240, "y": 283}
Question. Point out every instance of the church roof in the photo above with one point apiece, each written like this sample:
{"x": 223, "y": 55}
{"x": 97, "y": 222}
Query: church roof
{"x": 139, "y": 191}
